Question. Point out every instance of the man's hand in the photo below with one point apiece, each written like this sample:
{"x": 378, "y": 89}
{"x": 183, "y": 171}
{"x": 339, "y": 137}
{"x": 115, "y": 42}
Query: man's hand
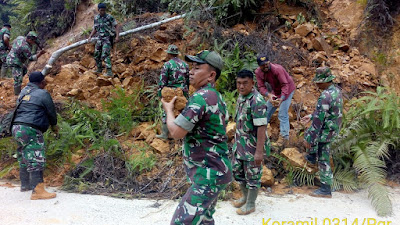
{"x": 41, "y": 53}
{"x": 258, "y": 158}
{"x": 305, "y": 119}
{"x": 55, "y": 129}
{"x": 116, "y": 39}
{"x": 168, "y": 106}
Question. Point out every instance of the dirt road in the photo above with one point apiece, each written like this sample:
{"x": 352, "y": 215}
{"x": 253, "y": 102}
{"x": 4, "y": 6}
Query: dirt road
{"x": 68, "y": 208}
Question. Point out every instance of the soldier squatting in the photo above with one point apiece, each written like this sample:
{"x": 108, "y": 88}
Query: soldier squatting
{"x": 209, "y": 164}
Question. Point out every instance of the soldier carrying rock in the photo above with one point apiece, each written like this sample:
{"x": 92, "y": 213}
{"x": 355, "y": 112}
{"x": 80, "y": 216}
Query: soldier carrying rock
{"x": 174, "y": 74}
{"x": 326, "y": 122}
{"x": 107, "y": 30}
{"x": 4, "y": 48}
{"x": 202, "y": 124}
{"x": 20, "y": 55}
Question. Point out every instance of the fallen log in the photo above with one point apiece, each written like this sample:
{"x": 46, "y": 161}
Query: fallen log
{"x": 60, "y": 51}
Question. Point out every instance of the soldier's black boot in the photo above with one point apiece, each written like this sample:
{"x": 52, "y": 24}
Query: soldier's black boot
{"x": 38, "y": 187}
{"x": 323, "y": 192}
{"x": 24, "y": 177}
{"x": 17, "y": 90}
{"x": 311, "y": 158}
{"x": 109, "y": 73}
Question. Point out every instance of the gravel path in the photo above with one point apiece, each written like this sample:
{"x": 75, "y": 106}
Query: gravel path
{"x": 69, "y": 208}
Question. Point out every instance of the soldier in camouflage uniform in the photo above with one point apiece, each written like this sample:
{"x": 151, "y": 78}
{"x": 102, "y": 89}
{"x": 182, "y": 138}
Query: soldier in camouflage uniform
{"x": 4, "y": 48}
{"x": 202, "y": 124}
{"x": 106, "y": 28}
{"x": 174, "y": 74}
{"x": 35, "y": 112}
{"x": 326, "y": 122}
{"x": 20, "y": 55}
{"x": 251, "y": 141}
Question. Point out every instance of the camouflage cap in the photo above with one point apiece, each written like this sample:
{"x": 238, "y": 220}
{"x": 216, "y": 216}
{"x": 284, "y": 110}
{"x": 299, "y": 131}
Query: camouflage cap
{"x": 323, "y": 75}
{"x": 173, "y": 49}
{"x": 32, "y": 34}
{"x": 210, "y": 57}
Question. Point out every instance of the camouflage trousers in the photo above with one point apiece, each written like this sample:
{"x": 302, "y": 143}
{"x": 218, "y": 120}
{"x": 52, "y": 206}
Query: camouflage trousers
{"x": 30, "y": 151}
{"x": 247, "y": 172}
{"x": 18, "y": 75}
{"x": 197, "y": 205}
{"x": 102, "y": 52}
{"x": 3, "y": 64}
{"x": 322, "y": 149}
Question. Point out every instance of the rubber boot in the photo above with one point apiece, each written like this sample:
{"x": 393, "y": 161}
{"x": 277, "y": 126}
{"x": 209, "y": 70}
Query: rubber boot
{"x": 109, "y": 73}
{"x": 38, "y": 187}
{"x": 24, "y": 177}
{"x": 323, "y": 192}
{"x": 311, "y": 158}
{"x": 241, "y": 201}
{"x": 99, "y": 68}
{"x": 17, "y": 90}
{"x": 3, "y": 70}
{"x": 250, "y": 205}
{"x": 164, "y": 132}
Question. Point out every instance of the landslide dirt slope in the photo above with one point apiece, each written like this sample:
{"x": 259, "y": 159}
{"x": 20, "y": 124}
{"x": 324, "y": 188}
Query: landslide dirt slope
{"x": 139, "y": 57}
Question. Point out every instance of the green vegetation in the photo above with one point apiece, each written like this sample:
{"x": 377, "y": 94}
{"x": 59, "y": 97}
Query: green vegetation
{"x": 224, "y": 11}
{"x": 371, "y": 128}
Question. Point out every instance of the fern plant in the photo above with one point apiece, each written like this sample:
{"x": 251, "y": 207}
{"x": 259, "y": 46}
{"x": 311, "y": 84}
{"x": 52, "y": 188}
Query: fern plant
{"x": 371, "y": 127}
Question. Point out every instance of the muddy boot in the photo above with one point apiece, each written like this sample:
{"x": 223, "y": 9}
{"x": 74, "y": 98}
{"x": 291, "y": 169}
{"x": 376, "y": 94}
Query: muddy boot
{"x": 250, "y": 205}
{"x": 109, "y": 73}
{"x": 241, "y": 201}
{"x": 164, "y": 132}
{"x": 99, "y": 68}
{"x": 323, "y": 192}
{"x": 311, "y": 158}
{"x": 24, "y": 177}
{"x": 38, "y": 187}
{"x": 17, "y": 90}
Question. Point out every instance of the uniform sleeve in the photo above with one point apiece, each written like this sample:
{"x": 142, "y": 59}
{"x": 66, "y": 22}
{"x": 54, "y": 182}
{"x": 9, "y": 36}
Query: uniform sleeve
{"x": 163, "y": 78}
{"x": 261, "y": 82}
{"x": 192, "y": 113}
{"x": 259, "y": 111}
{"x": 113, "y": 21}
{"x": 95, "y": 24}
{"x": 313, "y": 133}
{"x": 50, "y": 108}
{"x": 26, "y": 52}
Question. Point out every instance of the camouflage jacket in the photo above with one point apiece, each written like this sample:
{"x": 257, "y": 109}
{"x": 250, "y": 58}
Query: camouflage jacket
{"x": 21, "y": 53}
{"x": 251, "y": 112}
{"x": 3, "y": 32}
{"x": 205, "y": 148}
{"x": 105, "y": 26}
{"x": 175, "y": 74}
{"x": 327, "y": 117}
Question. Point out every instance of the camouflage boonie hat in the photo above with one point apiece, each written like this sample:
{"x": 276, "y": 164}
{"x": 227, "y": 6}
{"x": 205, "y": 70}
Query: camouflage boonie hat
{"x": 323, "y": 75}
{"x": 32, "y": 34}
{"x": 173, "y": 49}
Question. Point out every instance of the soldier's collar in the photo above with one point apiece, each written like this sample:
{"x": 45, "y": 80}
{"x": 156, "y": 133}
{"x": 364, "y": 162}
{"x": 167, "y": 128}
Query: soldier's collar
{"x": 251, "y": 94}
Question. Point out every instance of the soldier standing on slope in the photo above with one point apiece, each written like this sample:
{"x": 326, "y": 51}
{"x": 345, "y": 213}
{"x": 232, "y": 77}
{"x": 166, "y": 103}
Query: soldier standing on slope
{"x": 106, "y": 28}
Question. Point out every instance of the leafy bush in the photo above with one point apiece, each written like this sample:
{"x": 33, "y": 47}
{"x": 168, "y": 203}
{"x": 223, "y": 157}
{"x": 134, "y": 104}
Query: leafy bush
{"x": 370, "y": 129}
{"x": 225, "y": 11}
{"x": 144, "y": 161}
